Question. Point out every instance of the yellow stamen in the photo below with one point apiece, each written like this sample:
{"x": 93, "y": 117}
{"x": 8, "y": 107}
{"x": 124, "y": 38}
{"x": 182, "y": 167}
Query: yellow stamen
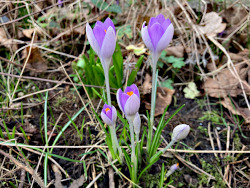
{"x": 130, "y": 93}
{"x": 105, "y": 30}
{"x": 107, "y": 109}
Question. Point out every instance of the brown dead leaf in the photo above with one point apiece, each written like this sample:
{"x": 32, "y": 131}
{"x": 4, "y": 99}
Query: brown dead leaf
{"x": 248, "y": 76}
{"x": 234, "y": 15}
{"x": 35, "y": 61}
{"x": 147, "y": 85}
{"x": 244, "y": 112}
{"x": 5, "y": 41}
{"x": 239, "y": 56}
{"x": 213, "y": 24}
{"x": 163, "y": 99}
{"x": 177, "y": 51}
{"x": 225, "y": 83}
{"x": 80, "y": 30}
{"x": 28, "y": 32}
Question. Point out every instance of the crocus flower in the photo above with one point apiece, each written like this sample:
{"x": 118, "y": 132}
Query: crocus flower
{"x": 103, "y": 40}
{"x": 109, "y": 115}
{"x": 129, "y": 100}
{"x": 180, "y": 132}
{"x": 158, "y": 34}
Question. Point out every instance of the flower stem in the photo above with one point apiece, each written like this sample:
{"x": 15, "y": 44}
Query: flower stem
{"x": 138, "y": 148}
{"x": 106, "y": 74}
{"x": 153, "y": 99}
{"x": 133, "y": 156}
{"x": 115, "y": 143}
{"x": 159, "y": 153}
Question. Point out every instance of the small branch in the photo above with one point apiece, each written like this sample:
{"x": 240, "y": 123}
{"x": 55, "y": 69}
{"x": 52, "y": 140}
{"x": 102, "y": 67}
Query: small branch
{"x": 28, "y": 169}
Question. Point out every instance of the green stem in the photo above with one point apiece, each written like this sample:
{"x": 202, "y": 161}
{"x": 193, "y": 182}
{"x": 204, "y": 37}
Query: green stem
{"x": 106, "y": 74}
{"x": 153, "y": 99}
{"x": 138, "y": 148}
{"x": 132, "y": 136}
{"x": 113, "y": 138}
{"x": 115, "y": 143}
{"x": 159, "y": 153}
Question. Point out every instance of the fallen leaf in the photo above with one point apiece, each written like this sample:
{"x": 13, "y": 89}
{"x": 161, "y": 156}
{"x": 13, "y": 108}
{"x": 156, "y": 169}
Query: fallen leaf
{"x": 163, "y": 99}
{"x": 147, "y": 85}
{"x": 138, "y": 50}
{"x": 35, "y": 61}
{"x": 213, "y": 24}
{"x": 234, "y": 15}
{"x": 191, "y": 91}
{"x": 7, "y": 42}
{"x": 225, "y": 83}
{"x": 239, "y": 56}
{"x": 244, "y": 112}
{"x": 177, "y": 51}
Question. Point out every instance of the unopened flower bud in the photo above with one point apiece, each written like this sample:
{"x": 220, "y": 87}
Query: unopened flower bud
{"x": 137, "y": 123}
{"x": 172, "y": 169}
{"x": 180, "y": 132}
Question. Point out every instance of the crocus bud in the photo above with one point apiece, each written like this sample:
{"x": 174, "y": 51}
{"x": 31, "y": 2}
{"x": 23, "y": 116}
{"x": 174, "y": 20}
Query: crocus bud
{"x": 180, "y": 132}
{"x": 158, "y": 34}
{"x": 109, "y": 115}
{"x": 172, "y": 169}
{"x": 137, "y": 123}
{"x": 129, "y": 100}
{"x": 103, "y": 40}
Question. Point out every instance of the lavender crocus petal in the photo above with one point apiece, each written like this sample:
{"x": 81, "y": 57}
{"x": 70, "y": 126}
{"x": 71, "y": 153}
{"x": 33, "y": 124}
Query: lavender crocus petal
{"x": 92, "y": 40}
{"x": 180, "y": 132}
{"x": 108, "y": 22}
{"x": 132, "y": 105}
{"x": 118, "y": 98}
{"x": 165, "y": 24}
{"x": 160, "y": 19}
{"x": 109, "y": 113}
{"x": 146, "y": 38}
{"x": 155, "y": 32}
{"x": 106, "y": 119}
{"x": 152, "y": 21}
{"x": 128, "y": 89}
{"x": 114, "y": 114}
{"x": 135, "y": 90}
{"x": 106, "y": 106}
{"x": 99, "y": 34}
{"x": 108, "y": 45}
{"x": 100, "y": 24}
{"x": 165, "y": 39}
{"x": 123, "y": 100}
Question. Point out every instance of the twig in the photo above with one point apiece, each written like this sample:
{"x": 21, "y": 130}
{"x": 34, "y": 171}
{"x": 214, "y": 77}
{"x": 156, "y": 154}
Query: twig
{"x": 30, "y": 170}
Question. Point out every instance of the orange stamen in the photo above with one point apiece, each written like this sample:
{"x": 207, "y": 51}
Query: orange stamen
{"x": 177, "y": 164}
{"x": 107, "y": 109}
{"x": 105, "y": 30}
{"x": 130, "y": 93}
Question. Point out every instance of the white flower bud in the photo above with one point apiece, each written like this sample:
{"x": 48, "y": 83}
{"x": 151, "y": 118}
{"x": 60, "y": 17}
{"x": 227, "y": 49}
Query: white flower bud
{"x": 180, "y": 132}
{"x": 137, "y": 123}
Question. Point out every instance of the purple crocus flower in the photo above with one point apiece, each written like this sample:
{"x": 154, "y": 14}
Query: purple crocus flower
{"x": 109, "y": 115}
{"x": 103, "y": 40}
{"x": 129, "y": 100}
{"x": 158, "y": 34}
